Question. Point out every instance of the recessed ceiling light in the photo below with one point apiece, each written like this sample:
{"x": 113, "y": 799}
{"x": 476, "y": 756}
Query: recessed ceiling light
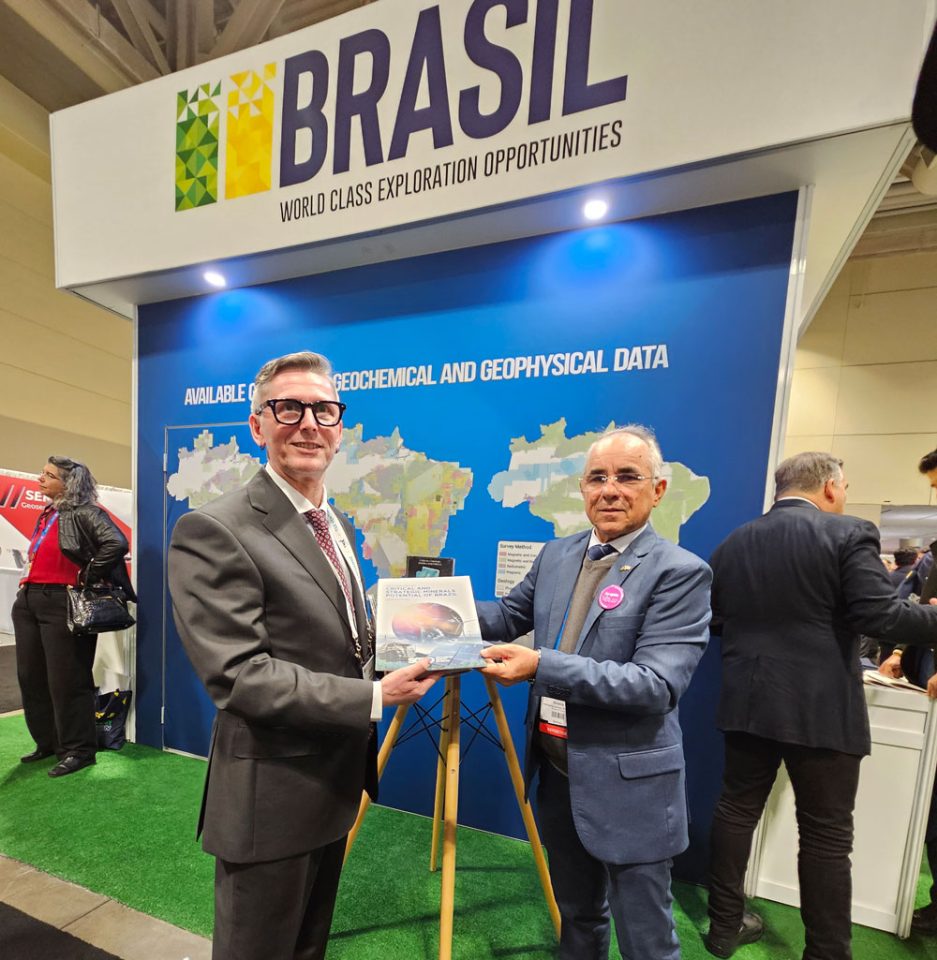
{"x": 214, "y": 278}
{"x": 594, "y": 209}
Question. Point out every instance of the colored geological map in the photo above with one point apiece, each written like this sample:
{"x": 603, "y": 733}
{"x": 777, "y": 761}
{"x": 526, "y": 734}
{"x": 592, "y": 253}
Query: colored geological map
{"x": 206, "y": 472}
{"x": 545, "y": 474}
{"x": 400, "y": 500}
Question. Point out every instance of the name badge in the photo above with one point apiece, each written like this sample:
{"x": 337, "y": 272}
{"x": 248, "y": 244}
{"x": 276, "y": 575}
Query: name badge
{"x": 553, "y": 717}
{"x": 367, "y": 669}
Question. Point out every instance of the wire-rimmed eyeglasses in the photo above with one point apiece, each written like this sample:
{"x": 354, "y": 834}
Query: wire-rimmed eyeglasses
{"x": 596, "y": 481}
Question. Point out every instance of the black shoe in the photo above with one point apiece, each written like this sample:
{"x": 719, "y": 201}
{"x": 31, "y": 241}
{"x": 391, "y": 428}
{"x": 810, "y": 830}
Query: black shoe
{"x": 69, "y": 765}
{"x": 37, "y": 754}
{"x": 750, "y": 930}
{"x": 925, "y": 920}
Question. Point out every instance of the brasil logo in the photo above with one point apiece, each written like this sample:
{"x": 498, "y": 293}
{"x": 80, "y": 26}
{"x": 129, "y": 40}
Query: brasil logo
{"x": 249, "y": 143}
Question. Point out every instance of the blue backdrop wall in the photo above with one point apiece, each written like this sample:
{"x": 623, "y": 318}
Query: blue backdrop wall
{"x": 674, "y": 321}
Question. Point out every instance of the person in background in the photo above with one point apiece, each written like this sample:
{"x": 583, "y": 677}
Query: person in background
{"x": 792, "y": 590}
{"x": 75, "y": 543}
{"x": 911, "y": 586}
{"x": 918, "y": 665}
{"x": 905, "y": 559}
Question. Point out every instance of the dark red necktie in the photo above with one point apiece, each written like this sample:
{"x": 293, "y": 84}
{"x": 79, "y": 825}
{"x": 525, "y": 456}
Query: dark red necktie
{"x": 320, "y": 527}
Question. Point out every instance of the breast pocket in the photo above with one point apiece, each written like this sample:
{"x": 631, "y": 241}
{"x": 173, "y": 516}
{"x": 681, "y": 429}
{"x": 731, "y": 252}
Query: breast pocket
{"x": 614, "y": 637}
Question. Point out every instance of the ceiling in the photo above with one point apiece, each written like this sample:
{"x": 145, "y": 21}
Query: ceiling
{"x": 908, "y": 522}
{"x": 64, "y": 52}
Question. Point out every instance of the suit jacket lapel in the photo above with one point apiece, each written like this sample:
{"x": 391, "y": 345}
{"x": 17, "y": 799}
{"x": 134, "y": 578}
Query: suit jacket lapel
{"x": 291, "y": 530}
{"x": 565, "y": 574}
{"x": 624, "y": 566}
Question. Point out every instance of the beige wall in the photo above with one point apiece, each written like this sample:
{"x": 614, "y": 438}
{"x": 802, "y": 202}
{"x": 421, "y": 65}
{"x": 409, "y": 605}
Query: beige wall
{"x": 865, "y": 379}
{"x": 65, "y": 366}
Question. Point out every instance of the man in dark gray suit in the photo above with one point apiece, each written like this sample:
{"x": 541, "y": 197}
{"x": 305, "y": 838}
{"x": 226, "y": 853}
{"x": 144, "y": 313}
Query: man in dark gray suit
{"x": 792, "y": 591}
{"x": 620, "y": 619}
{"x": 269, "y": 603}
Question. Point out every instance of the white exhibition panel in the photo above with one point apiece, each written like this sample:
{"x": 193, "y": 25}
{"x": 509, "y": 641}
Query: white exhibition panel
{"x": 705, "y": 81}
{"x": 847, "y": 175}
{"x": 891, "y": 811}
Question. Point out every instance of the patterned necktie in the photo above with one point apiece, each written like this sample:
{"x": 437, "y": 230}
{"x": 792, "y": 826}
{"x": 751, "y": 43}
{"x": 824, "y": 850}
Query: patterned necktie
{"x": 320, "y": 527}
{"x": 599, "y": 550}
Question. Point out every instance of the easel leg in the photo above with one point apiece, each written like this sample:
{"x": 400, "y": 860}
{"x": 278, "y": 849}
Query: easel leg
{"x": 517, "y": 779}
{"x": 393, "y": 731}
{"x": 451, "y": 806}
{"x": 444, "y": 728}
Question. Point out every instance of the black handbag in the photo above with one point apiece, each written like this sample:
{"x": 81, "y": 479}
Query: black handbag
{"x": 98, "y": 609}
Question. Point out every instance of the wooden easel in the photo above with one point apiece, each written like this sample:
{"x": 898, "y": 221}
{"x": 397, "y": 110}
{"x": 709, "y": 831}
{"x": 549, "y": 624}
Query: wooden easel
{"x": 446, "y": 804}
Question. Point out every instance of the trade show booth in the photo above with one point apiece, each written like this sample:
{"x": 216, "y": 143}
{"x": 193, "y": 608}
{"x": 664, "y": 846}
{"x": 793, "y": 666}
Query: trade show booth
{"x": 509, "y": 225}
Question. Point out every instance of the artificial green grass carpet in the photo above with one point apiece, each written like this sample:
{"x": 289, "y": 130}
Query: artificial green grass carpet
{"x": 124, "y": 828}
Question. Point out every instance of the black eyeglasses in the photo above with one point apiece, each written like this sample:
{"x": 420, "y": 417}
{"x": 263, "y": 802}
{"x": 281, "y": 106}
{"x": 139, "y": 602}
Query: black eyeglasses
{"x": 289, "y": 412}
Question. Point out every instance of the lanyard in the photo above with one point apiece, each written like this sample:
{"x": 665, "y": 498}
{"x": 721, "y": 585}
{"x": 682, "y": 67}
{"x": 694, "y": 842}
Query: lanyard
{"x": 40, "y": 535}
{"x": 559, "y": 636}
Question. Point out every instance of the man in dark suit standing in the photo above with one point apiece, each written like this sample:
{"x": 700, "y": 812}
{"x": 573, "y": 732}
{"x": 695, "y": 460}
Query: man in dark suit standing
{"x": 620, "y": 619}
{"x": 269, "y": 603}
{"x": 792, "y": 591}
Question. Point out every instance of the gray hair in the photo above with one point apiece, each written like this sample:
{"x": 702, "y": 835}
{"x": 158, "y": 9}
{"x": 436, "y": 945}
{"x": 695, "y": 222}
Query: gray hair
{"x": 80, "y": 486}
{"x": 642, "y": 433}
{"x": 303, "y": 360}
{"x": 806, "y": 471}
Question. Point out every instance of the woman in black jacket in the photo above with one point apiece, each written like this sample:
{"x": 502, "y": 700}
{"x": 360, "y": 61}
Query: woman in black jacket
{"x": 75, "y": 543}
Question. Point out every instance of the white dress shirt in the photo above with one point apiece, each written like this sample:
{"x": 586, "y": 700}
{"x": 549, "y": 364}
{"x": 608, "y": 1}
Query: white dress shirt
{"x": 619, "y": 543}
{"x": 346, "y": 557}
{"x": 803, "y": 499}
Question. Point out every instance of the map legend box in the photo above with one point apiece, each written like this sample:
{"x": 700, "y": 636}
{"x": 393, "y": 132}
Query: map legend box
{"x": 515, "y": 558}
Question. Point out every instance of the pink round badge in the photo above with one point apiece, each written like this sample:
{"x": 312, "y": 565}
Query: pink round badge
{"x": 611, "y": 596}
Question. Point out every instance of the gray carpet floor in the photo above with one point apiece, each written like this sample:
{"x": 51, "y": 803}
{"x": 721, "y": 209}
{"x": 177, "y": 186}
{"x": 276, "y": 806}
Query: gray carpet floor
{"x": 24, "y": 938}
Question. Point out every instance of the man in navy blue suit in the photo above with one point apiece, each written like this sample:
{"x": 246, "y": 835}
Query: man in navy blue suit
{"x": 792, "y": 591}
{"x": 620, "y": 619}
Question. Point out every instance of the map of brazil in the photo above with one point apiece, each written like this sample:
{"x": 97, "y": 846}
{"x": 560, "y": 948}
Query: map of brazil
{"x": 402, "y": 501}
{"x": 206, "y": 471}
{"x": 545, "y": 473}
